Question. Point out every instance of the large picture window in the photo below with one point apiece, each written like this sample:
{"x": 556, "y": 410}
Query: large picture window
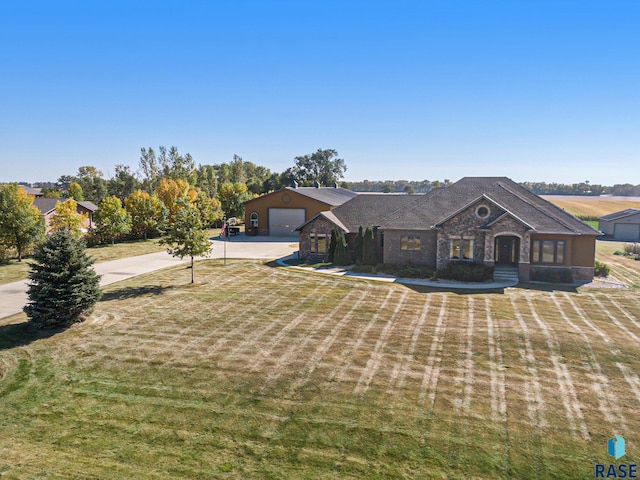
{"x": 318, "y": 243}
{"x": 548, "y": 251}
{"x": 409, "y": 242}
{"x": 461, "y": 249}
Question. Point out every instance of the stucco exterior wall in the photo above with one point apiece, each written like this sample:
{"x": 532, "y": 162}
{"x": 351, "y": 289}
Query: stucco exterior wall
{"x": 281, "y": 199}
{"x": 579, "y": 257}
{"x": 583, "y": 251}
{"x": 392, "y": 253}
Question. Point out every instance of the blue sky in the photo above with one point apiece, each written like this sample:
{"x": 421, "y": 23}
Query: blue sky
{"x": 533, "y": 90}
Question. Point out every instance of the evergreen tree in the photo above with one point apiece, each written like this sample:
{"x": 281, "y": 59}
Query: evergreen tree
{"x": 342, "y": 255}
{"x": 332, "y": 244}
{"x": 369, "y": 256}
{"x": 358, "y": 247}
{"x": 63, "y": 285}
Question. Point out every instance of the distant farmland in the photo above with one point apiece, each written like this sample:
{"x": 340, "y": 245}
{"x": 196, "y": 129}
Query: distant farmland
{"x": 592, "y": 206}
{"x": 260, "y": 372}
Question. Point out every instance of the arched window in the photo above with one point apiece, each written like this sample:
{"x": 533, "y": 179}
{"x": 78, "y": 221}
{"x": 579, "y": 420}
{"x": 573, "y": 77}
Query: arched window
{"x": 253, "y": 219}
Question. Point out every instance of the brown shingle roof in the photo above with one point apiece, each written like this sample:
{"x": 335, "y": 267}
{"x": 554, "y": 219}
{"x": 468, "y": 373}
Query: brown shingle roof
{"x": 47, "y": 205}
{"x": 424, "y": 212}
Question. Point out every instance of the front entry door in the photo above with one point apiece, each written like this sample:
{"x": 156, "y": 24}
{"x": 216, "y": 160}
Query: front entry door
{"x": 507, "y": 250}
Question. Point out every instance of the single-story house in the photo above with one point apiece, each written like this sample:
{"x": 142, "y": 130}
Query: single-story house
{"x": 623, "y": 226}
{"x": 47, "y": 207}
{"x": 34, "y": 192}
{"x": 280, "y": 212}
{"x": 489, "y": 220}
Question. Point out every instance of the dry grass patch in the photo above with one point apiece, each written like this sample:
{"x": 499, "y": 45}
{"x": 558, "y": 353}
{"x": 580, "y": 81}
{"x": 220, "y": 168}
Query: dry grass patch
{"x": 260, "y": 372}
{"x": 597, "y": 206}
{"x": 624, "y": 269}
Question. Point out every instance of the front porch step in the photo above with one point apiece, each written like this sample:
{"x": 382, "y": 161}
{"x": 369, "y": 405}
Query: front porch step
{"x": 506, "y": 273}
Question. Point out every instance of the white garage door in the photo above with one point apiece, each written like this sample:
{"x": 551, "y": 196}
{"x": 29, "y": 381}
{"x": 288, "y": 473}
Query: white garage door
{"x": 282, "y": 221}
{"x": 628, "y": 232}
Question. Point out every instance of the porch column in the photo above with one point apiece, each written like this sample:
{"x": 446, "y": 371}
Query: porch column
{"x": 523, "y": 264}
{"x": 489, "y": 242}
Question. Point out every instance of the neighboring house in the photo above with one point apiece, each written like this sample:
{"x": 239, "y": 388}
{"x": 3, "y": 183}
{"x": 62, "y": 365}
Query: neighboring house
{"x": 490, "y": 220}
{"x": 35, "y": 192}
{"x": 623, "y": 226}
{"x": 47, "y": 207}
{"x": 280, "y": 212}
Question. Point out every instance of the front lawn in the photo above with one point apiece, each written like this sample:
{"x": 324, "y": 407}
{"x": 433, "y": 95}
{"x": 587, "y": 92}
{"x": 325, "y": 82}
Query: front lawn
{"x": 262, "y": 372}
{"x": 14, "y": 271}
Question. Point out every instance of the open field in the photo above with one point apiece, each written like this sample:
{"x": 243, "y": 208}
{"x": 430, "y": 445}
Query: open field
{"x": 261, "y": 372}
{"x": 598, "y": 206}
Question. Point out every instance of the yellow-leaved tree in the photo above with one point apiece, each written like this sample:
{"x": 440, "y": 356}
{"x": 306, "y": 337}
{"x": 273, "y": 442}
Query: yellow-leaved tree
{"x": 147, "y": 213}
{"x": 68, "y": 218}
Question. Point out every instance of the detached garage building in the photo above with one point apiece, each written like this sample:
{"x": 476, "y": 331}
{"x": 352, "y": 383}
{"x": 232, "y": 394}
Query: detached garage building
{"x": 623, "y": 226}
{"x": 280, "y": 212}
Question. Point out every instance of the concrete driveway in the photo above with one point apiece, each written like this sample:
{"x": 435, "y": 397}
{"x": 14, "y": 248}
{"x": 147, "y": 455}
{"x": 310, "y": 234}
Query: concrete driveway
{"x": 13, "y": 296}
{"x": 241, "y": 246}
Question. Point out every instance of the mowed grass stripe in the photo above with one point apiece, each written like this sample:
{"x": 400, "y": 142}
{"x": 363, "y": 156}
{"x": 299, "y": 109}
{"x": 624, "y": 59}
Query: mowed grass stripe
{"x": 309, "y": 367}
{"x": 406, "y": 361}
{"x": 627, "y": 333}
{"x": 375, "y": 358}
{"x": 288, "y": 361}
{"x": 631, "y": 317}
{"x": 533, "y": 387}
{"x": 186, "y": 414}
{"x": 258, "y": 342}
{"x": 567, "y": 391}
{"x": 431, "y": 371}
{"x": 601, "y": 385}
{"x": 496, "y": 366}
{"x": 351, "y": 350}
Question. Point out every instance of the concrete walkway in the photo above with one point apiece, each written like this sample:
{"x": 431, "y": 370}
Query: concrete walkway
{"x": 380, "y": 277}
{"x": 13, "y": 296}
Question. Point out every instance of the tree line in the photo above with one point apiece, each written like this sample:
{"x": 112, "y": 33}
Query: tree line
{"x": 217, "y": 181}
{"x": 167, "y": 186}
{"x": 539, "y": 188}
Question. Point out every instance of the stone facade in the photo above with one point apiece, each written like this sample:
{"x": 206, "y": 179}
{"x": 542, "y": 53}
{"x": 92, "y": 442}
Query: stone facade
{"x": 483, "y": 222}
{"x": 392, "y": 253}
{"x": 582, "y": 274}
{"x": 466, "y": 225}
{"x": 321, "y": 226}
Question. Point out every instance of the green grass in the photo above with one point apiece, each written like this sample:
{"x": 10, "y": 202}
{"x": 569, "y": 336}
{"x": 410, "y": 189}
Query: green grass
{"x": 262, "y": 372}
{"x": 14, "y": 271}
{"x": 592, "y": 223}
